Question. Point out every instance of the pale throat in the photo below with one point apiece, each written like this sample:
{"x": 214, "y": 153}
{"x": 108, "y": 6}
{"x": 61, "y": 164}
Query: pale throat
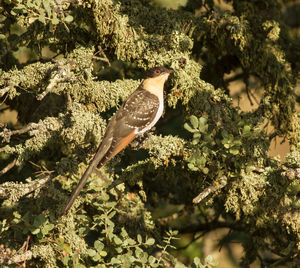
{"x": 155, "y": 85}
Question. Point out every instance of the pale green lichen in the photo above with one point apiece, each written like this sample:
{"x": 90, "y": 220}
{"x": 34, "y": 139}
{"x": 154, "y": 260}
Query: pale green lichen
{"x": 46, "y": 253}
{"x": 272, "y": 28}
{"x": 163, "y": 149}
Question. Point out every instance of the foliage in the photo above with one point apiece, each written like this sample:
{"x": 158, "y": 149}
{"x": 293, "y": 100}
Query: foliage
{"x": 66, "y": 66}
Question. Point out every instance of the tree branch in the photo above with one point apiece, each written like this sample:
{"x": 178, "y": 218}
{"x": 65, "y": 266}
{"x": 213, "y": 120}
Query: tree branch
{"x": 8, "y": 167}
{"x": 7, "y": 133}
{"x": 14, "y": 191}
{"x": 211, "y": 189}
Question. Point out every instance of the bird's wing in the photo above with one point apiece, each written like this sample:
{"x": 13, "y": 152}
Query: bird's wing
{"x": 135, "y": 114}
{"x": 138, "y": 111}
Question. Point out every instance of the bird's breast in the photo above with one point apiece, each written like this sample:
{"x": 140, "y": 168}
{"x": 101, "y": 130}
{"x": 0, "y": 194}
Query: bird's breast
{"x": 154, "y": 117}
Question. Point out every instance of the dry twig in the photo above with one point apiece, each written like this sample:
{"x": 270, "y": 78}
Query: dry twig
{"x": 8, "y": 167}
{"x": 61, "y": 73}
{"x": 211, "y": 189}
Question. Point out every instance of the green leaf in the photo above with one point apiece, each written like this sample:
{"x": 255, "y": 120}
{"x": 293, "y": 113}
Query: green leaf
{"x": 237, "y": 143}
{"x": 203, "y": 126}
{"x": 69, "y": 18}
{"x": 130, "y": 241}
{"x": 104, "y": 196}
{"x": 103, "y": 253}
{"x": 201, "y": 161}
{"x": 197, "y": 135}
{"x": 124, "y": 232}
{"x": 36, "y": 231}
{"x": 39, "y": 220}
{"x": 91, "y": 252}
{"x": 227, "y": 145}
{"x": 98, "y": 245}
{"x": 117, "y": 240}
{"x": 234, "y": 151}
{"x": 60, "y": 247}
{"x": 286, "y": 251}
{"x": 113, "y": 213}
{"x": 139, "y": 238}
{"x": 151, "y": 259}
{"x": 47, "y": 228}
{"x": 67, "y": 248}
{"x": 205, "y": 170}
{"x": 114, "y": 260}
{"x": 66, "y": 260}
{"x": 210, "y": 260}
{"x": 47, "y": 7}
{"x": 55, "y": 21}
{"x": 42, "y": 18}
{"x": 189, "y": 128}
{"x": 195, "y": 141}
{"x": 197, "y": 261}
{"x": 202, "y": 121}
{"x": 192, "y": 167}
{"x": 246, "y": 130}
{"x": 150, "y": 241}
{"x": 17, "y": 215}
{"x": 119, "y": 249}
{"x": 194, "y": 121}
{"x": 174, "y": 233}
{"x": 138, "y": 252}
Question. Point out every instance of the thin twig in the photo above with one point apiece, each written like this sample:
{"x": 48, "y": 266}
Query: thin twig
{"x": 8, "y": 167}
{"x": 7, "y": 133}
{"x": 211, "y": 189}
{"x": 280, "y": 261}
{"x": 103, "y": 58}
{"x": 248, "y": 95}
{"x": 4, "y": 90}
{"x": 195, "y": 238}
{"x": 114, "y": 184}
{"x": 59, "y": 74}
{"x": 234, "y": 78}
{"x": 26, "y": 249}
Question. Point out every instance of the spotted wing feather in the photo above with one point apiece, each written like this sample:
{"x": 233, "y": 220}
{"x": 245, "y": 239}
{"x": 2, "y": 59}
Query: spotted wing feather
{"x": 138, "y": 111}
{"x": 135, "y": 115}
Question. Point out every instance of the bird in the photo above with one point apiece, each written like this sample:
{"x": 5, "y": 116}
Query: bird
{"x": 138, "y": 114}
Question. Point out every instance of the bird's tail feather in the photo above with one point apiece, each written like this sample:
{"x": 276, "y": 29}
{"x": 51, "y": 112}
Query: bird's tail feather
{"x": 95, "y": 161}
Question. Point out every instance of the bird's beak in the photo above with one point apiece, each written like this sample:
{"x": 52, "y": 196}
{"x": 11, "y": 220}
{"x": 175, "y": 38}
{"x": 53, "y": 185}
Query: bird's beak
{"x": 169, "y": 71}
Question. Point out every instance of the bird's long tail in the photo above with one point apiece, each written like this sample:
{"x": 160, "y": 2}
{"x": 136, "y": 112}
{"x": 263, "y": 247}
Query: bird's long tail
{"x": 95, "y": 161}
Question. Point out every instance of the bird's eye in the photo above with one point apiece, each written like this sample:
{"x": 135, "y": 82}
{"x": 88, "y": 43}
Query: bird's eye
{"x": 157, "y": 71}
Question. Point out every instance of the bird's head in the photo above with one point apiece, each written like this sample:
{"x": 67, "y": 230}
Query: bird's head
{"x": 156, "y": 78}
{"x": 158, "y": 71}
